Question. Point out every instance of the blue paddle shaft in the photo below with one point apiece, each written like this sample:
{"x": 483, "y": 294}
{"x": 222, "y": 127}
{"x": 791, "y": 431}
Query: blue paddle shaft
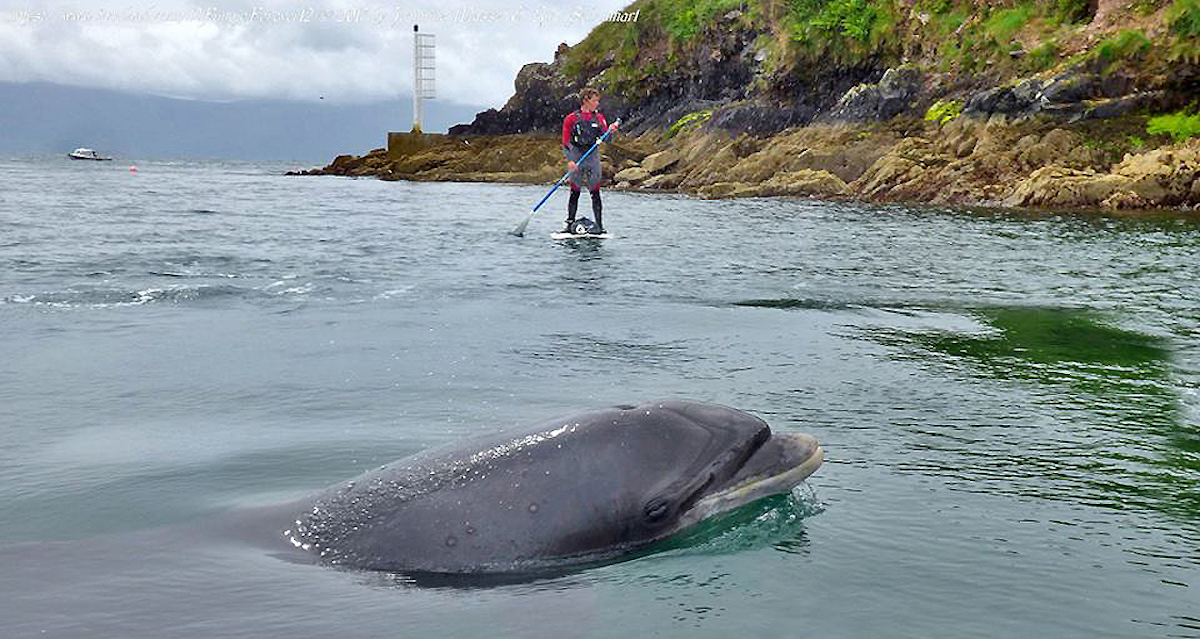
{"x": 577, "y": 162}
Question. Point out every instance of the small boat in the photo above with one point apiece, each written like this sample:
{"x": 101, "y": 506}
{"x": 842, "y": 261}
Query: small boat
{"x": 86, "y": 154}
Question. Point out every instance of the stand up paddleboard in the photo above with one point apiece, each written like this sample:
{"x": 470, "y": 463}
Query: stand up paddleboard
{"x": 577, "y": 236}
{"x": 582, "y": 229}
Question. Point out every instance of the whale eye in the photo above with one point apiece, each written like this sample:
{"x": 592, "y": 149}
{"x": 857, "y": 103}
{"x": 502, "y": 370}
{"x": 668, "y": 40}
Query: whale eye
{"x": 656, "y": 510}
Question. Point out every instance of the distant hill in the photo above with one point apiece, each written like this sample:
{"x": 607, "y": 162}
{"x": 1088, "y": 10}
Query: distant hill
{"x": 43, "y": 117}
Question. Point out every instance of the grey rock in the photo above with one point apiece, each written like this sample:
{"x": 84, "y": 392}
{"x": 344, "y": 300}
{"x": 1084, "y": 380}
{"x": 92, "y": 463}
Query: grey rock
{"x": 1018, "y": 101}
{"x": 761, "y": 118}
{"x": 657, "y": 162}
{"x": 632, "y": 174}
{"x": 1080, "y": 92}
{"x": 541, "y": 99}
{"x": 891, "y": 96}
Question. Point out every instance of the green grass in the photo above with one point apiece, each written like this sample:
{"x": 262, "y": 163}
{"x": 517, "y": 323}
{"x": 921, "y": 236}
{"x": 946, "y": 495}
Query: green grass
{"x": 1125, "y": 45}
{"x": 944, "y": 111}
{"x": 1146, "y": 7}
{"x": 935, "y": 6}
{"x": 690, "y": 119}
{"x": 686, "y": 19}
{"x": 1003, "y": 25}
{"x": 805, "y": 38}
{"x": 1072, "y": 11}
{"x": 970, "y": 39}
{"x": 1180, "y": 126}
{"x": 1042, "y": 57}
{"x": 857, "y": 27}
{"x": 607, "y": 38}
{"x": 947, "y": 23}
{"x": 620, "y": 47}
{"x": 849, "y": 18}
{"x": 1184, "y": 18}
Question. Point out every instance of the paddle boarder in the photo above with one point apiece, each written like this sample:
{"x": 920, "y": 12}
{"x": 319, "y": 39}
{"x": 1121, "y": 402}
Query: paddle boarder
{"x": 581, "y": 129}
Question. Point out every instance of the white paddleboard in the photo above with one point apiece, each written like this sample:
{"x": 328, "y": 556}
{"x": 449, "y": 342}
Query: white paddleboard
{"x": 580, "y": 236}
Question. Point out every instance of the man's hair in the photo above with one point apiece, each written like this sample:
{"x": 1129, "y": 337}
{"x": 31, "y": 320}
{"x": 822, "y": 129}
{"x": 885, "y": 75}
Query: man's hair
{"x": 588, "y": 92}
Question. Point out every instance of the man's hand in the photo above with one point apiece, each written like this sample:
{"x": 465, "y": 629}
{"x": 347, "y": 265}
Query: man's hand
{"x": 612, "y": 127}
{"x": 571, "y": 166}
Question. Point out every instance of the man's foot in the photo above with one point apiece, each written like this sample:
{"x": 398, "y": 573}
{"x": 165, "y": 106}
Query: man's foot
{"x": 566, "y": 227}
{"x": 599, "y": 230}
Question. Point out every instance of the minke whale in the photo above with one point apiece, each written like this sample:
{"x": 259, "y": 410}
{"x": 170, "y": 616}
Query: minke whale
{"x": 584, "y": 488}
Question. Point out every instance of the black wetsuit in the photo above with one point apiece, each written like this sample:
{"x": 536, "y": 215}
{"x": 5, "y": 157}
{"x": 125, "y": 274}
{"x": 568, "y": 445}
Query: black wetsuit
{"x": 580, "y": 131}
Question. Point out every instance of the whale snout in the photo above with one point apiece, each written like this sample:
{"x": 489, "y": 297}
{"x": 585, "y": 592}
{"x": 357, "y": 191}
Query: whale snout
{"x": 784, "y": 458}
{"x": 779, "y": 465}
{"x": 802, "y": 451}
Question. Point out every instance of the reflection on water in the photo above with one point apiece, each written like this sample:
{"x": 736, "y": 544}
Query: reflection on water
{"x": 776, "y": 522}
{"x": 582, "y": 266}
{"x": 592, "y": 350}
{"x": 1115, "y": 434}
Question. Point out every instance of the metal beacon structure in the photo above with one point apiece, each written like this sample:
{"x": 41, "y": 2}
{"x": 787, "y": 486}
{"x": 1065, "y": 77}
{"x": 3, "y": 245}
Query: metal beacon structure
{"x": 424, "y": 87}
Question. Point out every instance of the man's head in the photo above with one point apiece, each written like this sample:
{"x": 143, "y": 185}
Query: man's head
{"x": 589, "y": 97}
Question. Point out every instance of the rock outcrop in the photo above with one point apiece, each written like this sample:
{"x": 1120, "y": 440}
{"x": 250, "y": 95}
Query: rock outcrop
{"x": 891, "y": 96}
{"x": 1082, "y": 91}
{"x": 965, "y": 162}
{"x": 1157, "y": 179}
{"x": 810, "y": 99}
{"x": 542, "y": 96}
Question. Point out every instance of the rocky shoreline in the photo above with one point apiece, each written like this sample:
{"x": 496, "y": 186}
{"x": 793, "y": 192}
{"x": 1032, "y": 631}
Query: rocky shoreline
{"x": 943, "y": 103}
{"x": 1029, "y": 164}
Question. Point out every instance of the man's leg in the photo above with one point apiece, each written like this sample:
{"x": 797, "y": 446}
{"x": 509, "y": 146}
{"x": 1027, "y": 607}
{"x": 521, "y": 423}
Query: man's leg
{"x": 574, "y": 180}
{"x": 597, "y": 208}
{"x": 572, "y": 204}
{"x": 595, "y": 175}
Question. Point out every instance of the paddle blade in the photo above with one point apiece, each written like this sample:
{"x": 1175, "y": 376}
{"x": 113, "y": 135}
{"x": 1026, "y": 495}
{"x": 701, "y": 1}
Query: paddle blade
{"x": 520, "y": 230}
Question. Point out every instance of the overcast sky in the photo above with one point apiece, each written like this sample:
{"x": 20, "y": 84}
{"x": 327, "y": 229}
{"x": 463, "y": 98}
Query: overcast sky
{"x": 344, "y": 51}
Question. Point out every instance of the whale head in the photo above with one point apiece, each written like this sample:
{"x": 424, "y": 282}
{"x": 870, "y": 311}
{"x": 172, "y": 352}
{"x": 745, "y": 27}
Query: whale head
{"x": 743, "y": 461}
{"x": 586, "y": 487}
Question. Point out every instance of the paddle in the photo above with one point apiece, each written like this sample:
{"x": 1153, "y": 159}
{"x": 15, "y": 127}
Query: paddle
{"x": 520, "y": 230}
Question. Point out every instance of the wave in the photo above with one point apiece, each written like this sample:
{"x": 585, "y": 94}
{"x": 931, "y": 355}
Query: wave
{"x": 111, "y": 297}
{"x": 800, "y": 303}
{"x": 179, "y": 286}
{"x": 174, "y": 294}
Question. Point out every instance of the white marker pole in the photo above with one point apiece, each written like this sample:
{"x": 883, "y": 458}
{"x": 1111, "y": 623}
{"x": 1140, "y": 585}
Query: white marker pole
{"x": 416, "y": 81}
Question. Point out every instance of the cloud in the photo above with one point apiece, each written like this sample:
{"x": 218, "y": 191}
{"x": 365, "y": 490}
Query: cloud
{"x": 301, "y": 50}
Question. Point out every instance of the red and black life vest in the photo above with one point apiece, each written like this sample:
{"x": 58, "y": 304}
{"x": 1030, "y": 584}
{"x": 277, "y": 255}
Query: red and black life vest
{"x": 585, "y": 132}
